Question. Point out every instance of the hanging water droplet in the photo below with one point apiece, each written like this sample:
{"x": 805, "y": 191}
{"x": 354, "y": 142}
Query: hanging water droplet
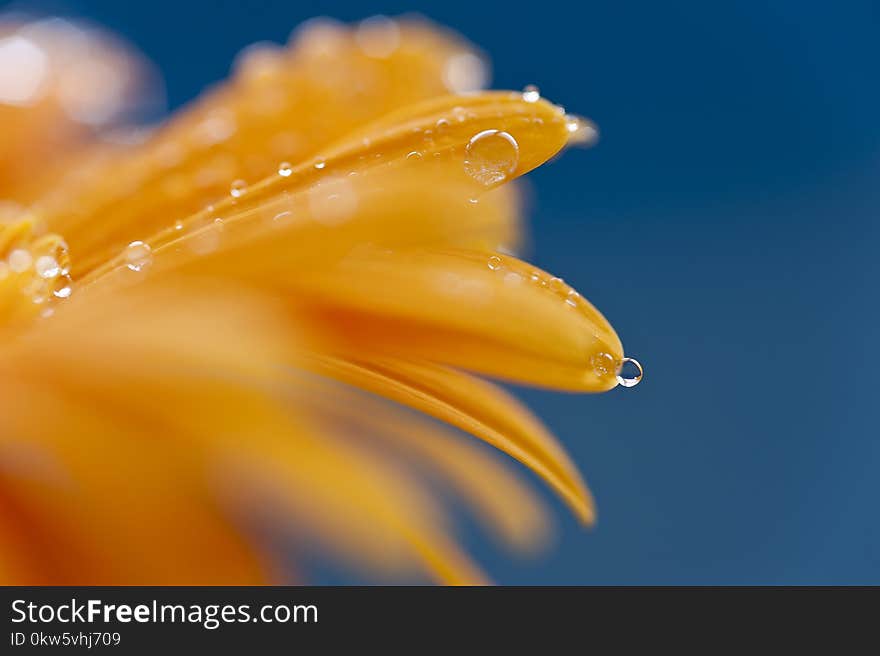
{"x": 531, "y": 94}
{"x": 20, "y": 260}
{"x": 494, "y": 263}
{"x": 285, "y": 169}
{"x": 237, "y": 188}
{"x": 602, "y": 363}
{"x": 630, "y": 372}
{"x": 47, "y": 267}
{"x": 138, "y": 255}
{"x": 320, "y": 163}
{"x": 491, "y": 156}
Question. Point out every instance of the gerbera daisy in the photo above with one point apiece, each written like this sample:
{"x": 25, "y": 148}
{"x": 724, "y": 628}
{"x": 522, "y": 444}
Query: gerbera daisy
{"x": 203, "y": 326}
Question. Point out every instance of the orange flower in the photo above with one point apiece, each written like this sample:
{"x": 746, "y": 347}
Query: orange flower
{"x": 201, "y": 332}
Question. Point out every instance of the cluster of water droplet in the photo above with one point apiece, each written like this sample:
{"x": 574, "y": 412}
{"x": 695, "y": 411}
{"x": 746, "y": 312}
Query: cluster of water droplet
{"x": 42, "y": 270}
{"x": 628, "y": 371}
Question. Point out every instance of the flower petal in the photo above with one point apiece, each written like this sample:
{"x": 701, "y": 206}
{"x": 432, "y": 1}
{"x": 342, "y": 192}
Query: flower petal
{"x": 474, "y": 406}
{"x": 179, "y": 395}
{"x": 488, "y": 313}
{"x": 504, "y": 502}
{"x": 283, "y": 105}
{"x": 60, "y": 80}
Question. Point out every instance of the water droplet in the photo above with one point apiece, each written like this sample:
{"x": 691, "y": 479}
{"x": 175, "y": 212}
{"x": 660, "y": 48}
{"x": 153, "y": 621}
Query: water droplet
{"x": 63, "y": 291}
{"x": 494, "y": 263}
{"x": 20, "y": 260}
{"x": 281, "y": 217}
{"x": 491, "y": 157}
{"x": 138, "y": 255}
{"x": 630, "y": 372}
{"x": 178, "y": 225}
{"x": 237, "y": 188}
{"x": 441, "y": 124}
{"x": 531, "y": 94}
{"x": 47, "y": 267}
{"x": 320, "y": 163}
{"x": 602, "y": 363}
{"x": 285, "y": 169}
{"x": 581, "y": 132}
{"x": 557, "y": 285}
{"x": 414, "y": 155}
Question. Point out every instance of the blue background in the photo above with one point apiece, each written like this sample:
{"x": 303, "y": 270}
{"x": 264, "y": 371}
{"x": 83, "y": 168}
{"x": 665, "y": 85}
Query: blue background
{"x": 727, "y": 226}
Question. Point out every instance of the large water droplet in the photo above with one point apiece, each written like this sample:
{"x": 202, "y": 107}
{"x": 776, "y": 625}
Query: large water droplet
{"x": 138, "y": 255}
{"x": 630, "y": 372}
{"x": 491, "y": 156}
